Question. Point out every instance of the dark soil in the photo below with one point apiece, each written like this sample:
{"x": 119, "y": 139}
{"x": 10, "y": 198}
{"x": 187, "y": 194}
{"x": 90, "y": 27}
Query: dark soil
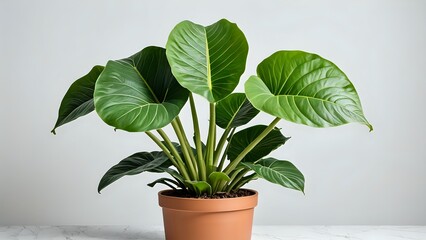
{"x": 185, "y": 194}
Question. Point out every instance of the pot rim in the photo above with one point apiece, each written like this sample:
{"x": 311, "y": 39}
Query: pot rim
{"x": 207, "y": 205}
{"x": 206, "y": 199}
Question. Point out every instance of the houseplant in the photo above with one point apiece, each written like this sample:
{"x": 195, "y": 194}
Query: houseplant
{"x": 146, "y": 91}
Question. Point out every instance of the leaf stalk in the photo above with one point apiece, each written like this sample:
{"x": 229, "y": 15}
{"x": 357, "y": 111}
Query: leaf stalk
{"x": 259, "y": 138}
{"x": 185, "y": 151}
{"x": 180, "y": 166}
{"x": 200, "y": 160}
{"x": 211, "y": 139}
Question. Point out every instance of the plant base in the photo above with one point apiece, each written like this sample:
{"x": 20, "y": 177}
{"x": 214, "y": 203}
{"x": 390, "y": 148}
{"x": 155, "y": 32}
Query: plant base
{"x": 207, "y": 219}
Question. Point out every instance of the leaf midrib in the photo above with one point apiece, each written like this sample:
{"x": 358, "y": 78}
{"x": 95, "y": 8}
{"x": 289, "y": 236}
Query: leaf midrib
{"x": 270, "y": 167}
{"x": 143, "y": 79}
{"x": 271, "y": 95}
{"x": 146, "y": 83}
{"x": 235, "y": 114}
{"x": 209, "y": 77}
{"x": 319, "y": 99}
{"x": 78, "y": 108}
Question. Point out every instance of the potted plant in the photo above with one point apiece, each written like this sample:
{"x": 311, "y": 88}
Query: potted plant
{"x": 146, "y": 91}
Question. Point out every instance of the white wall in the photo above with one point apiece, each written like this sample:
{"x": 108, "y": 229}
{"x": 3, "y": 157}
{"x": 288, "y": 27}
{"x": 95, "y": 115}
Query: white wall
{"x": 352, "y": 176}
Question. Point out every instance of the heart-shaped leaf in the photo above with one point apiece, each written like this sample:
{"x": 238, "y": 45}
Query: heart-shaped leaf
{"x": 243, "y": 138}
{"x": 135, "y": 164}
{"x": 208, "y": 61}
{"x": 78, "y": 100}
{"x": 304, "y": 88}
{"x": 234, "y": 111}
{"x": 280, "y": 172}
{"x": 139, "y": 93}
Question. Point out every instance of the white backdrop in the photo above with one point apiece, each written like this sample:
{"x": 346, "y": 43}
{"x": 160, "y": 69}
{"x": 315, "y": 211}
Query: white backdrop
{"x": 352, "y": 176}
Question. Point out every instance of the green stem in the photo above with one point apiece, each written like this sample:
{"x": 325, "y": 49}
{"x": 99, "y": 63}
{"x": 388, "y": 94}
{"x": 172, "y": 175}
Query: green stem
{"x": 232, "y": 177}
{"x": 237, "y": 178}
{"x": 244, "y": 180}
{"x": 185, "y": 151}
{"x": 259, "y": 138}
{"x": 220, "y": 145}
{"x": 188, "y": 146}
{"x": 235, "y": 173}
{"x": 222, "y": 160}
{"x": 170, "y": 145}
{"x": 211, "y": 138}
{"x": 198, "y": 145}
{"x": 180, "y": 166}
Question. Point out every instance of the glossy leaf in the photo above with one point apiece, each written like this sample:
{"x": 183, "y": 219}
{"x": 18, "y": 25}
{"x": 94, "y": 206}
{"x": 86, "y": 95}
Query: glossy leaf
{"x": 139, "y": 93}
{"x": 218, "y": 176}
{"x": 135, "y": 164}
{"x": 304, "y": 88}
{"x": 280, "y": 172}
{"x": 166, "y": 181}
{"x": 176, "y": 175}
{"x": 199, "y": 187}
{"x": 243, "y": 138}
{"x": 218, "y": 179}
{"x": 78, "y": 100}
{"x": 234, "y": 111}
{"x": 208, "y": 61}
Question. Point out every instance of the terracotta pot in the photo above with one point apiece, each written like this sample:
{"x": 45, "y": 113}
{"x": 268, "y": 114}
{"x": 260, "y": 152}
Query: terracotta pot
{"x": 207, "y": 219}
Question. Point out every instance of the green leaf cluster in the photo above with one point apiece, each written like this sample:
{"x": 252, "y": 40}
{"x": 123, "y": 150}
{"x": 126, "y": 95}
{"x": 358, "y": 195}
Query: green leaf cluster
{"x": 147, "y": 91}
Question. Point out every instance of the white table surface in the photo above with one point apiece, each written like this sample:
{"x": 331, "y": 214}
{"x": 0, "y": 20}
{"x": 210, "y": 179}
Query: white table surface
{"x": 259, "y": 232}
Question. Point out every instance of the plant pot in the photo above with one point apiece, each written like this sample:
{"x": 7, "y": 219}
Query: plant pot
{"x": 207, "y": 219}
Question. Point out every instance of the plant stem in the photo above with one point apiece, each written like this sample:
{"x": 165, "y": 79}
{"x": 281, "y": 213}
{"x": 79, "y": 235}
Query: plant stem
{"x": 232, "y": 177}
{"x": 246, "y": 150}
{"x": 235, "y": 173}
{"x": 188, "y": 146}
{"x": 180, "y": 166}
{"x": 220, "y": 145}
{"x": 185, "y": 151}
{"x": 211, "y": 138}
{"x": 170, "y": 145}
{"x": 222, "y": 160}
{"x": 198, "y": 146}
{"x": 237, "y": 178}
{"x": 244, "y": 180}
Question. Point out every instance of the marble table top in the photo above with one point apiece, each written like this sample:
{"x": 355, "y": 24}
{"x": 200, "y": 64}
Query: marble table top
{"x": 259, "y": 232}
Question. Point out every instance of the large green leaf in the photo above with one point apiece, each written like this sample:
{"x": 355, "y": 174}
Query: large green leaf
{"x": 78, "y": 100}
{"x": 135, "y": 164}
{"x": 208, "y": 60}
{"x": 304, "y": 88}
{"x": 139, "y": 93}
{"x": 243, "y": 138}
{"x": 234, "y": 111}
{"x": 280, "y": 172}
